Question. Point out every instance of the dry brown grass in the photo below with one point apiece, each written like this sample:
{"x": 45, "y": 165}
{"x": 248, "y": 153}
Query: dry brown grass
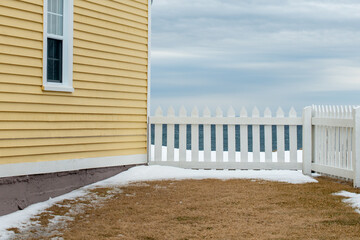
{"x": 215, "y": 209}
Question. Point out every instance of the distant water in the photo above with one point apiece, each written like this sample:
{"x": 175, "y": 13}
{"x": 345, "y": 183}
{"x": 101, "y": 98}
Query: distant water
{"x": 237, "y": 137}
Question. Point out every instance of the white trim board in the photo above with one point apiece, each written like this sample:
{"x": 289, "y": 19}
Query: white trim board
{"x": 20, "y": 169}
{"x": 149, "y": 79}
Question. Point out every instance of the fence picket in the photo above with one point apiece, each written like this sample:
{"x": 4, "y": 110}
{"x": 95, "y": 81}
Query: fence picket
{"x": 280, "y": 132}
{"x": 244, "y": 138}
{"x": 195, "y": 137}
{"x": 219, "y": 137}
{"x": 293, "y": 137}
{"x": 158, "y": 136}
{"x": 207, "y": 137}
{"x": 337, "y": 139}
{"x": 268, "y": 137}
{"x": 182, "y": 136}
{"x": 170, "y": 136}
{"x": 256, "y": 136}
{"x": 231, "y": 137}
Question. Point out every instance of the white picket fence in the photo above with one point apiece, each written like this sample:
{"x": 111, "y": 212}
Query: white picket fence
{"x": 331, "y": 140}
{"x": 230, "y": 159}
{"x": 335, "y": 136}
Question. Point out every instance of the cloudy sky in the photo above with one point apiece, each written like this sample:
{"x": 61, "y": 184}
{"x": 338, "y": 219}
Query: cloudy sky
{"x": 255, "y": 53}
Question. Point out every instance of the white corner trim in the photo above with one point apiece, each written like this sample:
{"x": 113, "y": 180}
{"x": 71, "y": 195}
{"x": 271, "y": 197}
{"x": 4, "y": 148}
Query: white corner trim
{"x": 21, "y": 169}
{"x": 149, "y": 80}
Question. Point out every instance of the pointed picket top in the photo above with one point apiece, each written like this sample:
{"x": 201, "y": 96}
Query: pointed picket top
{"x": 171, "y": 112}
{"x": 195, "y": 112}
{"x": 182, "y": 112}
{"x": 348, "y": 111}
{"x": 206, "y": 112}
{"x": 322, "y": 111}
{"x": 231, "y": 112}
{"x": 331, "y": 111}
{"x": 159, "y": 112}
{"x": 280, "y": 113}
{"x": 342, "y": 112}
{"x": 267, "y": 113}
{"x": 255, "y": 112}
{"x": 327, "y": 114}
{"x": 219, "y": 112}
{"x": 337, "y": 111}
{"x": 315, "y": 109}
{"x": 292, "y": 113}
{"x": 243, "y": 112}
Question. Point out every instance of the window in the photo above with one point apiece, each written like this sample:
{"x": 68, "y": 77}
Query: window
{"x": 58, "y": 45}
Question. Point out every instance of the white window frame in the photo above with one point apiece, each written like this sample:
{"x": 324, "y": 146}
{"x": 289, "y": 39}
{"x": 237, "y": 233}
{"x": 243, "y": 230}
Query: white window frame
{"x": 67, "y": 65}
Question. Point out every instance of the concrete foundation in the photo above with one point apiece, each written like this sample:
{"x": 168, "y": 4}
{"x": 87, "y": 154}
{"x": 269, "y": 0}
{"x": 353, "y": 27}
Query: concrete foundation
{"x": 16, "y": 193}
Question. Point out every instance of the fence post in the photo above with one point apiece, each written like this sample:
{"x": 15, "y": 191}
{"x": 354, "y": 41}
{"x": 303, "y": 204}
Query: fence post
{"x": 356, "y": 147}
{"x": 307, "y": 140}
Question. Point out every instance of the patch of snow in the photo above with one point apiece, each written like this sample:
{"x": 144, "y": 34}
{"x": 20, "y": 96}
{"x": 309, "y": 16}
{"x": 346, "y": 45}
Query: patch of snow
{"x": 352, "y": 199}
{"x": 21, "y": 219}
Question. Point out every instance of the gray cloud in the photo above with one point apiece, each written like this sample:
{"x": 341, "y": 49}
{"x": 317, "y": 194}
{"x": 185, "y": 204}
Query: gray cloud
{"x": 209, "y": 52}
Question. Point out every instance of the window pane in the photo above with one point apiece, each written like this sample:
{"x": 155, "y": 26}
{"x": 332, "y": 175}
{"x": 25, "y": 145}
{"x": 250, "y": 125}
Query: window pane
{"x": 54, "y": 61}
{"x": 56, "y": 6}
{"x": 55, "y": 17}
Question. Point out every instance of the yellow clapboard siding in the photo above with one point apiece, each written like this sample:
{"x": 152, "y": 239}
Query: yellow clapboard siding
{"x": 108, "y": 39}
{"x": 69, "y": 125}
{"x": 132, "y": 3}
{"x": 62, "y": 117}
{"x": 11, "y": 134}
{"x": 110, "y": 87}
{"x": 110, "y": 11}
{"x": 66, "y": 100}
{"x": 16, "y": 69}
{"x": 110, "y": 79}
{"x": 110, "y": 18}
{"x": 109, "y": 33}
{"x": 108, "y": 48}
{"x": 109, "y": 64}
{"x": 21, "y": 42}
{"x": 84, "y": 89}
{"x": 16, "y": 13}
{"x": 145, "y": 2}
{"x": 19, "y": 23}
{"x": 19, "y": 79}
{"x": 18, "y": 51}
{"x": 113, "y": 28}
{"x": 108, "y": 71}
{"x": 109, "y": 56}
{"x": 106, "y": 115}
{"x": 37, "y": 2}
{"x": 40, "y": 150}
{"x": 12, "y": 143}
{"x": 124, "y": 92}
{"x": 48, "y": 108}
{"x": 21, "y": 60}
{"x": 21, "y": 5}
{"x": 121, "y": 7}
{"x": 20, "y": 33}
{"x": 64, "y": 156}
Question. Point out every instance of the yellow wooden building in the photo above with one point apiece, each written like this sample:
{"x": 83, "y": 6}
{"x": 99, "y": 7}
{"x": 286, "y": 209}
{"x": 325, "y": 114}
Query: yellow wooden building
{"x": 74, "y": 78}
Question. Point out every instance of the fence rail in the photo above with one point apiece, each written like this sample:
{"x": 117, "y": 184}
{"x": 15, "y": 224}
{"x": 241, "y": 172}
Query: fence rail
{"x": 330, "y": 135}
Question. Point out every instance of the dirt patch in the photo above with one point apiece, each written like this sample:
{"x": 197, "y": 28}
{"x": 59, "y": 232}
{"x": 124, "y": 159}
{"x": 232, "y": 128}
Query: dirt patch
{"x": 213, "y": 209}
